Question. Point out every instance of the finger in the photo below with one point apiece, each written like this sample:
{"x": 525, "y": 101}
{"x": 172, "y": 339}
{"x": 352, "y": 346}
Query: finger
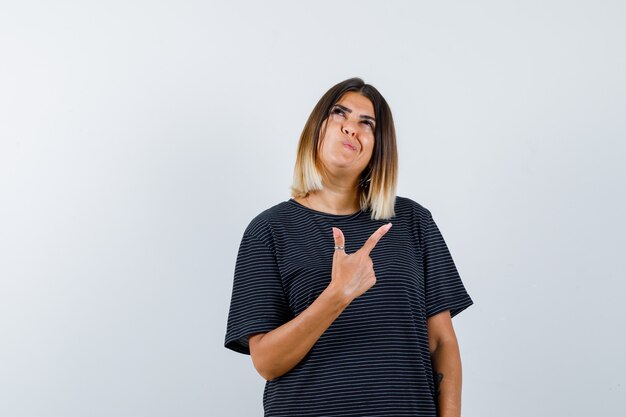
{"x": 375, "y": 237}
{"x": 340, "y": 240}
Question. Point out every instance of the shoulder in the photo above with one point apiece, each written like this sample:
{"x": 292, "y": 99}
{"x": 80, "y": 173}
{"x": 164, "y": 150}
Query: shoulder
{"x": 262, "y": 225}
{"x": 408, "y": 205}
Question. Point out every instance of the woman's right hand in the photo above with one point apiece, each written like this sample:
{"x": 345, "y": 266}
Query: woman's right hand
{"x": 353, "y": 274}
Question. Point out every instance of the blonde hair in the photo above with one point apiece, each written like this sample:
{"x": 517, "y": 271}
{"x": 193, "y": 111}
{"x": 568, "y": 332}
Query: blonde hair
{"x": 378, "y": 181}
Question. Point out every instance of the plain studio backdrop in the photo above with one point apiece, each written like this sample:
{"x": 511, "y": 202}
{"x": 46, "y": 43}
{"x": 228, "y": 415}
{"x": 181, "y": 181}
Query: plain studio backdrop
{"x": 138, "y": 139}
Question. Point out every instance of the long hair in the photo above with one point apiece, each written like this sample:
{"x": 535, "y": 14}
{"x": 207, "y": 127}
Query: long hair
{"x": 378, "y": 181}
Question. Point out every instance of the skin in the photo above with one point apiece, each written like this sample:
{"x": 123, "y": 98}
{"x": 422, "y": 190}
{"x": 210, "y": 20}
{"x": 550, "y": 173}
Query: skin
{"x": 446, "y": 360}
{"x": 275, "y": 353}
{"x": 343, "y": 164}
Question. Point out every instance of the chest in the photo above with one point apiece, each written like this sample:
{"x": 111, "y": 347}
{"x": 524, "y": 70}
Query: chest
{"x": 305, "y": 263}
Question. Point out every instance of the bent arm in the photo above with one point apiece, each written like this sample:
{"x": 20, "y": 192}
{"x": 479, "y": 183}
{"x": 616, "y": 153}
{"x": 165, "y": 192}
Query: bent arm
{"x": 276, "y": 352}
{"x": 446, "y": 361}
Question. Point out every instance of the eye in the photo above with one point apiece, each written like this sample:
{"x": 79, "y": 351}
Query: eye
{"x": 369, "y": 123}
{"x": 337, "y": 110}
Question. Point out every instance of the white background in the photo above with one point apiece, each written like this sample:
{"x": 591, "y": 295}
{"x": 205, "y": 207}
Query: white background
{"x": 138, "y": 139}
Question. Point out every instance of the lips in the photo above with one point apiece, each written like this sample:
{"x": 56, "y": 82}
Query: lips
{"x": 349, "y": 145}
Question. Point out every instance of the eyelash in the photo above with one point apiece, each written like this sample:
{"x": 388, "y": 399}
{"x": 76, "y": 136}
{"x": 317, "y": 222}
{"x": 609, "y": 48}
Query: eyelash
{"x": 337, "y": 110}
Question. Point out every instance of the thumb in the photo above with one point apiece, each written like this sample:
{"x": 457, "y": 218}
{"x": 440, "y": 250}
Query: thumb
{"x": 339, "y": 238}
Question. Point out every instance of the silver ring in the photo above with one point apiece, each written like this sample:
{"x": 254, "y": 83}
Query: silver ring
{"x": 338, "y": 247}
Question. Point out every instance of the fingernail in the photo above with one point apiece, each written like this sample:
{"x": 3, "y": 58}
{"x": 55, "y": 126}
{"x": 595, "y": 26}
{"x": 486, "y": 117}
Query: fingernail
{"x": 388, "y": 226}
{"x": 334, "y": 232}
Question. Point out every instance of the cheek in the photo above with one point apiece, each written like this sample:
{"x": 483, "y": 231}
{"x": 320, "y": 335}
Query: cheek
{"x": 369, "y": 145}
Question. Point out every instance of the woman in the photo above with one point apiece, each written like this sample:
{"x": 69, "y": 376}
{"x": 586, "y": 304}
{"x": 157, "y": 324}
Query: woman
{"x": 343, "y": 313}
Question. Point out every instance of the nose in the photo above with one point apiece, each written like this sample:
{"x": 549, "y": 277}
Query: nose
{"x": 348, "y": 128}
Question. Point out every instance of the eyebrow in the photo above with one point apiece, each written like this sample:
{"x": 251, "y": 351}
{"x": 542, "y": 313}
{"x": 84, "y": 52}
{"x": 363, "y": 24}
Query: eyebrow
{"x": 347, "y": 110}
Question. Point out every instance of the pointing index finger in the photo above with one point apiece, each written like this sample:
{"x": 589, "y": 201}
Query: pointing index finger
{"x": 375, "y": 237}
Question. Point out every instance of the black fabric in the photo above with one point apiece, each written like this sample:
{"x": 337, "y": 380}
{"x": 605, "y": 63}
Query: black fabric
{"x": 373, "y": 360}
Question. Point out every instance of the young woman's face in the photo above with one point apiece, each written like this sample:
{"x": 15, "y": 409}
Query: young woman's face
{"x": 348, "y": 143}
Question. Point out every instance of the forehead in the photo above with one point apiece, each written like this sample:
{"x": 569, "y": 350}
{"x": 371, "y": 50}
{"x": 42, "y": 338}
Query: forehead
{"x": 357, "y": 103}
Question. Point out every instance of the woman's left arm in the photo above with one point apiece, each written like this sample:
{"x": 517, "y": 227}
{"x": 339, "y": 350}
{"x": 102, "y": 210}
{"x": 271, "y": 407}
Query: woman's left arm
{"x": 446, "y": 361}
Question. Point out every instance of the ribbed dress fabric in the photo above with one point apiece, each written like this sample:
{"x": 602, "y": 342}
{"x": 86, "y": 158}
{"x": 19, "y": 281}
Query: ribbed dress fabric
{"x": 374, "y": 359}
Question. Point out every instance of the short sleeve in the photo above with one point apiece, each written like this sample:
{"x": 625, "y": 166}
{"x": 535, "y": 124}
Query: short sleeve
{"x": 444, "y": 288}
{"x": 258, "y": 302}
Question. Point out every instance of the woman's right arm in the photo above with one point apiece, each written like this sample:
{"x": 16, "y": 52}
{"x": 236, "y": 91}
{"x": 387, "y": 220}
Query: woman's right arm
{"x": 276, "y": 352}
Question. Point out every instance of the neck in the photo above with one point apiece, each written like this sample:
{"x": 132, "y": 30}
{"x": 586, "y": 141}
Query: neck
{"x": 334, "y": 200}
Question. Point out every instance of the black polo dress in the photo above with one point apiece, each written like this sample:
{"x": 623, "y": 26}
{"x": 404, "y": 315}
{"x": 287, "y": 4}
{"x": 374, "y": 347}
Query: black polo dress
{"x": 374, "y": 359}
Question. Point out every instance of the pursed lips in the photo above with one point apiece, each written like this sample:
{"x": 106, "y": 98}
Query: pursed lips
{"x": 351, "y": 146}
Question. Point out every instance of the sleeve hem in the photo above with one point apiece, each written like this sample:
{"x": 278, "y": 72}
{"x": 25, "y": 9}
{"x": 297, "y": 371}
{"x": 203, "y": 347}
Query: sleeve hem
{"x": 237, "y": 339}
{"x": 454, "y": 308}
